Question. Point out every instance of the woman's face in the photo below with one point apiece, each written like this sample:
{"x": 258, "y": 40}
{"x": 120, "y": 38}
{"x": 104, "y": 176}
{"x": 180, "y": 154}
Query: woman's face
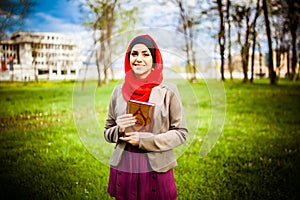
{"x": 141, "y": 61}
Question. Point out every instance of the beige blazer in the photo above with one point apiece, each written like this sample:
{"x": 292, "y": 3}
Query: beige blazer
{"x": 169, "y": 127}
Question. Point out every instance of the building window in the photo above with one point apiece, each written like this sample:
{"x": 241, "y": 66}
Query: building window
{"x": 43, "y": 71}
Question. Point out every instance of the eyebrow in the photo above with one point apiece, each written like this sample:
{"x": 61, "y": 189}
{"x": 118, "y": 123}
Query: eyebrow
{"x": 143, "y": 51}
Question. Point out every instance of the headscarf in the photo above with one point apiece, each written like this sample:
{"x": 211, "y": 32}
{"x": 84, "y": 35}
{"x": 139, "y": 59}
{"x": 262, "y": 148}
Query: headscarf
{"x": 140, "y": 89}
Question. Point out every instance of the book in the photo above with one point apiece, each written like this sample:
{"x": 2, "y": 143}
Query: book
{"x": 143, "y": 112}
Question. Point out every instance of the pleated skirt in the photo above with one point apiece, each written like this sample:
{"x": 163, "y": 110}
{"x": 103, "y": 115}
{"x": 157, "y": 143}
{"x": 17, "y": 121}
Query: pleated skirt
{"x": 133, "y": 179}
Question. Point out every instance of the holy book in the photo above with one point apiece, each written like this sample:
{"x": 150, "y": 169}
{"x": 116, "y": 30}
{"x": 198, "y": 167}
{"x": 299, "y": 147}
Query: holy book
{"x": 143, "y": 112}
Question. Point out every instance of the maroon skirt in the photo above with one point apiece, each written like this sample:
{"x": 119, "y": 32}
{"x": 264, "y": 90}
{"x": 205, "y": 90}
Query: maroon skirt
{"x": 133, "y": 179}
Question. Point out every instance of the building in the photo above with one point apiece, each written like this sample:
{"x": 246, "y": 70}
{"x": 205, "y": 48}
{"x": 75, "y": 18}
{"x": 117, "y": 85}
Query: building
{"x": 281, "y": 63}
{"x": 50, "y": 56}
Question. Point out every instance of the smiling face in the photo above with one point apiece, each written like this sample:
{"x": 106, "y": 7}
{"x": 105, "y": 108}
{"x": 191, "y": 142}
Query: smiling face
{"x": 141, "y": 61}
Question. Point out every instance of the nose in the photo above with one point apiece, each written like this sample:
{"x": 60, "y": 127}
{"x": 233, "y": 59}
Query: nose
{"x": 139, "y": 58}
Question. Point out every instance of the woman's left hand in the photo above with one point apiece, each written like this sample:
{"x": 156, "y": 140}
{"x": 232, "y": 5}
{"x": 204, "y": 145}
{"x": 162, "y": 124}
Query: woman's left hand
{"x": 132, "y": 138}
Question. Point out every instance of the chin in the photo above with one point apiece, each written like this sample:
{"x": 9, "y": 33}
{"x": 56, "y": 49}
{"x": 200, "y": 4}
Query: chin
{"x": 139, "y": 72}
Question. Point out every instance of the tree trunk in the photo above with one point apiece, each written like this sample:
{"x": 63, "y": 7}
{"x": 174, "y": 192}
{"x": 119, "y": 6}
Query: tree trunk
{"x": 99, "y": 57}
{"x": 229, "y": 39}
{"x": 184, "y": 21}
{"x": 294, "y": 55}
{"x": 221, "y": 38}
{"x": 288, "y": 62}
{"x": 245, "y": 50}
{"x": 192, "y": 52}
{"x": 110, "y": 20}
{"x": 272, "y": 74}
{"x": 36, "y": 77}
{"x": 252, "y": 57}
{"x": 293, "y": 17}
{"x": 254, "y": 39}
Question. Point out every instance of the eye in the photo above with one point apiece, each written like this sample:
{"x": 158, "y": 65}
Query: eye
{"x": 134, "y": 53}
{"x": 146, "y": 54}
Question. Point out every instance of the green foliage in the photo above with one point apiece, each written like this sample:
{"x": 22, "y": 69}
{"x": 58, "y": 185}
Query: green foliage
{"x": 257, "y": 157}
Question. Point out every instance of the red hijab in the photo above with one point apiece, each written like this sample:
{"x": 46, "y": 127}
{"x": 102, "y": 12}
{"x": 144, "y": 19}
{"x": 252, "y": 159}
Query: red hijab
{"x": 140, "y": 89}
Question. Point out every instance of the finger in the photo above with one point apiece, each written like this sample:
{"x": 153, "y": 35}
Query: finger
{"x": 128, "y": 134}
{"x": 126, "y": 121}
{"x": 124, "y": 116}
{"x": 126, "y": 139}
{"x": 130, "y": 140}
{"x": 125, "y": 125}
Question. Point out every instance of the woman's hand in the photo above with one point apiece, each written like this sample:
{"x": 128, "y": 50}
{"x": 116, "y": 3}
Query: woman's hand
{"x": 132, "y": 138}
{"x": 124, "y": 121}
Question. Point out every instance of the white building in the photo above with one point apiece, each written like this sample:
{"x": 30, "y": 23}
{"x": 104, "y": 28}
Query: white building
{"x": 50, "y": 56}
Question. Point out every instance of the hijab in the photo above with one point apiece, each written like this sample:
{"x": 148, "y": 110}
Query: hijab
{"x": 140, "y": 89}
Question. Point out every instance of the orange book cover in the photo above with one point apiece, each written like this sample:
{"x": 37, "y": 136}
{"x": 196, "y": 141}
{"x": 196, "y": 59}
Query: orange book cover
{"x": 143, "y": 112}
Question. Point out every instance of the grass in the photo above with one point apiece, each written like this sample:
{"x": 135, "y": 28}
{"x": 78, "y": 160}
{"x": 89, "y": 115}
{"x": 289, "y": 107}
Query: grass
{"x": 44, "y": 154}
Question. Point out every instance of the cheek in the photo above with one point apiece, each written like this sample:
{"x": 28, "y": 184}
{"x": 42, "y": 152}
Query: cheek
{"x": 149, "y": 62}
{"x": 131, "y": 61}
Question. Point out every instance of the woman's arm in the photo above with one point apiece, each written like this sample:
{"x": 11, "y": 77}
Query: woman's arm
{"x": 111, "y": 130}
{"x": 116, "y": 123}
{"x": 177, "y": 133}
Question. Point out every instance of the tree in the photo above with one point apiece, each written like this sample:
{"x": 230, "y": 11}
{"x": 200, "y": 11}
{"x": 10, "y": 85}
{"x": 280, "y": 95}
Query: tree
{"x": 228, "y": 19}
{"x": 241, "y": 18}
{"x": 245, "y": 16}
{"x": 293, "y": 15}
{"x": 104, "y": 11}
{"x": 217, "y": 5}
{"x": 221, "y": 36}
{"x": 272, "y": 74}
{"x": 34, "y": 61}
{"x": 103, "y": 24}
{"x": 12, "y": 15}
{"x": 284, "y": 20}
{"x": 254, "y": 35}
{"x": 187, "y": 23}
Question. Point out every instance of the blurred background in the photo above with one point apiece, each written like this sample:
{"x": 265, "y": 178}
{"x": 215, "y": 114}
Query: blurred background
{"x": 58, "y": 39}
{"x": 235, "y": 63}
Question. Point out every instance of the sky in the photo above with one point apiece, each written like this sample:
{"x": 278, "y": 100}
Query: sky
{"x": 65, "y": 16}
{"x": 62, "y": 16}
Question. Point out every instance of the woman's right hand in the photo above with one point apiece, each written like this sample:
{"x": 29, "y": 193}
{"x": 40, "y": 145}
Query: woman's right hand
{"x": 124, "y": 121}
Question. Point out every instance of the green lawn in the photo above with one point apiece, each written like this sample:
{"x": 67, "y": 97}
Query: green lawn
{"x": 48, "y": 151}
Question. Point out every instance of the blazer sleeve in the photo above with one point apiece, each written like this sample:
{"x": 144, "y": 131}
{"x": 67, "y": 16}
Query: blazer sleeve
{"x": 111, "y": 132}
{"x": 177, "y": 129}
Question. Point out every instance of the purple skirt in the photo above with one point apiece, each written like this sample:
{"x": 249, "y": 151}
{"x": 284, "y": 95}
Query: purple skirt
{"x": 133, "y": 179}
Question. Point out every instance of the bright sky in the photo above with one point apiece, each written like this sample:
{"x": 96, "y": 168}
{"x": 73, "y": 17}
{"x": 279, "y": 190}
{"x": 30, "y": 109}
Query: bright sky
{"x": 65, "y": 16}
{"x": 55, "y": 16}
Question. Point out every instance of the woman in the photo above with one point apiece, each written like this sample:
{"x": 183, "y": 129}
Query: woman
{"x": 142, "y": 162}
